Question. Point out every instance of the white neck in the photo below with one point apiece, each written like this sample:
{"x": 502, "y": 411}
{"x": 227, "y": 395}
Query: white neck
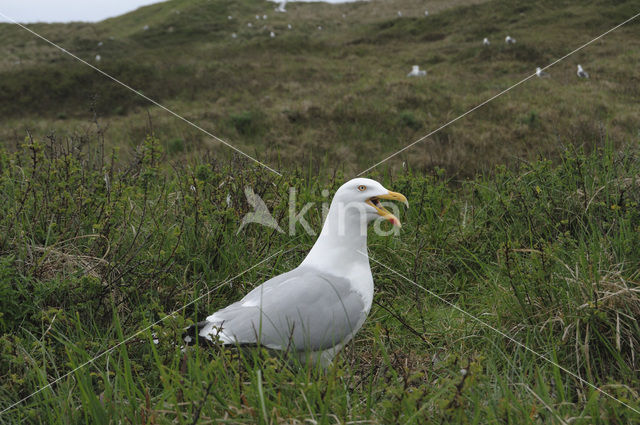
{"x": 342, "y": 243}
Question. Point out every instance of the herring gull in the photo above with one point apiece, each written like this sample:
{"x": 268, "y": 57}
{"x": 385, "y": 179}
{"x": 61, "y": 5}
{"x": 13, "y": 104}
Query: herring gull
{"x": 312, "y": 311}
{"x": 486, "y": 41}
{"x": 416, "y": 72}
{"x": 509, "y": 40}
{"x": 582, "y": 73}
{"x": 540, "y": 73}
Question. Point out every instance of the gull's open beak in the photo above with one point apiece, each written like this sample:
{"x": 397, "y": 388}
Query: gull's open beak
{"x": 394, "y": 196}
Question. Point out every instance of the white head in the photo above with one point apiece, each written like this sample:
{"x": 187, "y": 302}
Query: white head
{"x": 579, "y": 67}
{"x": 415, "y": 68}
{"x": 360, "y": 198}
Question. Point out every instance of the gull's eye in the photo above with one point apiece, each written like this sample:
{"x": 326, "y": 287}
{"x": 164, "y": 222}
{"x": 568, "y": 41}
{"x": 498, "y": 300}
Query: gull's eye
{"x": 362, "y": 188}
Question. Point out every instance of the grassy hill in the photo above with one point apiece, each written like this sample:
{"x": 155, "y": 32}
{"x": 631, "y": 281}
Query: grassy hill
{"x": 113, "y": 214}
{"x": 339, "y": 95}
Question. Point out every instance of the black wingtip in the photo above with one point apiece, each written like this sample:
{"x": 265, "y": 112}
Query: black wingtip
{"x": 191, "y": 335}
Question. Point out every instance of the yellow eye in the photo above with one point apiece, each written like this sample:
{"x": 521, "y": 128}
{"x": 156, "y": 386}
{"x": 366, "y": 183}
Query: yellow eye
{"x": 362, "y": 187}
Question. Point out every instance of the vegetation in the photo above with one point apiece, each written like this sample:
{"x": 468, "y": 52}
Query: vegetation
{"x": 119, "y": 222}
{"x": 339, "y": 95}
{"x": 91, "y": 254}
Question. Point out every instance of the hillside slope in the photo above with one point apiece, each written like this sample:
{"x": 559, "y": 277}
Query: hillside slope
{"x": 339, "y": 93}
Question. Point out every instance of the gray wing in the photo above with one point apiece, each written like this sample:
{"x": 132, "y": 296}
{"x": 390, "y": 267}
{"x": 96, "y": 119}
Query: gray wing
{"x": 302, "y": 309}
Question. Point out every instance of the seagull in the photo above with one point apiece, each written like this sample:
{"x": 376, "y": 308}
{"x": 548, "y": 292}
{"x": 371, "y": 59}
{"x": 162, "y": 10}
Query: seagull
{"x": 486, "y": 41}
{"x": 234, "y": 35}
{"x": 509, "y": 40}
{"x": 540, "y": 73}
{"x": 257, "y": 17}
{"x": 264, "y": 17}
{"x": 249, "y": 24}
{"x": 314, "y": 310}
{"x": 319, "y": 27}
{"x": 281, "y": 6}
{"x": 229, "y": 17}
{"x": 98, "y": 58}
{"x": 100, "y": 44}
{"x": 272, "y": 35}
{"x": 416, "y": 72}
{"x": 146, "y": 27}
{"x": 289, "y": 26}
{"x": 582, "y": 73}
{"x": 426, "y": 13}
{"x": 399, "y": 14}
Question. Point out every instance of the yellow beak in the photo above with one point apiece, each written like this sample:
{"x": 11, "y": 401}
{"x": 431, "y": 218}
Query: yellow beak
{"x": 382, "y": 211}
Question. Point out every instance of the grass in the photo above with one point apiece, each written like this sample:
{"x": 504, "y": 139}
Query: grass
{"x": 340, "y": 93}
{"x": 113, "y": 215}
{"x": 92, "y": 254}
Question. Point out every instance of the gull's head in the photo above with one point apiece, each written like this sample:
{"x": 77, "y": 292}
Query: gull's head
{"x": 415, "y": 67}
{"x": 579, "y": 67}
{"x": 364, "y": 197}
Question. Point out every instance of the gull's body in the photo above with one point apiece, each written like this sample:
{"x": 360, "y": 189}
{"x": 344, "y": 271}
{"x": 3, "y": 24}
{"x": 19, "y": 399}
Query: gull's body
{"x": 486, "y": 41}
{"x": 316, "y": 308}
{"x": 582, "y": 73}
{"x": 540, "y": 73}
{"x": 416, "y": 72}
{"x": 509, "y": 40}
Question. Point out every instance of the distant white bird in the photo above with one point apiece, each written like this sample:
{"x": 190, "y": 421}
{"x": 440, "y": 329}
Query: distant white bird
{"x": 100, "y": 44}
{"x": 399, "y": 14}
{"x": 509, "y": 40}
{"x": 257, "y": 17}
{"x": 582, "y": 73}
{"x": 426, "y": 13}
{"x": 281, "y": 7}
{"x": 540, "y": 73}
{"x": 416, "y": 72}
{"x": 146, "y": 27}
{"x": 234, "y": 35}
{"x": 229, "y": 17}
{"x": 486, "y": 41}
{"x": 319, "y": 27}
{"x": 264, "y": 16}
{"x": 249, "y": 24}
{"x": 272, "y": 35}
{"x": 98, "y": 58}
{"x": 289, "y": 26}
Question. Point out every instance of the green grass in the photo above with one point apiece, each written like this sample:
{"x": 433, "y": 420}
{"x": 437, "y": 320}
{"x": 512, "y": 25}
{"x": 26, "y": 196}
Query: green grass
{"x": 547, "y": 254}
{"x": 340, "y": 93}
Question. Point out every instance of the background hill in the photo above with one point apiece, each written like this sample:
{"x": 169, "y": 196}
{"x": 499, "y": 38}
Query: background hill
{"x": 524, "y": 214}
{"x": 339, "y": 95}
